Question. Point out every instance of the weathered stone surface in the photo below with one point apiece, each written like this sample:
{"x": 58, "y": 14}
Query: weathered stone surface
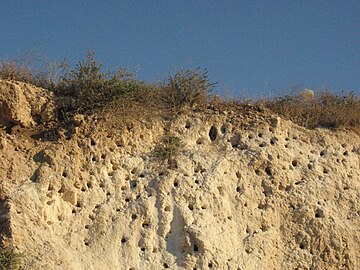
{"x": 24, "y": 104}
{"x": 244, "y": 193}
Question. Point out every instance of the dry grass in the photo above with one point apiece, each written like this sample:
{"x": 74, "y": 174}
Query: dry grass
{"x": 187, "y": 88}
{"x": 327, "y": 110}
{"x": 87, "y": 89}
{"x": 11, "y": 70}
{"x": 20, "y": 70}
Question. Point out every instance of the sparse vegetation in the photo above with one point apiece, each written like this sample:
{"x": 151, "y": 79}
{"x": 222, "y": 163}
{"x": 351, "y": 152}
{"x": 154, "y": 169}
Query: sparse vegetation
{"x": 9, "y": 259}
{"x": 24, "y": 72}
{"x": 188, "y": 88}
{"x": 168, "y": 148}
{"x": 90, "y": 88}
{"x": 327, "y": 110}
{"x": 14, "y": 71}
{"x": 86, "y": 88}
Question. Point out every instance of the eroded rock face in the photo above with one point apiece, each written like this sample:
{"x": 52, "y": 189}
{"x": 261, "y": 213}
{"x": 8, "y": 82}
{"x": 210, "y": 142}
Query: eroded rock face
{"x": 24, "y": 104}
{"x": 247, "y": 191}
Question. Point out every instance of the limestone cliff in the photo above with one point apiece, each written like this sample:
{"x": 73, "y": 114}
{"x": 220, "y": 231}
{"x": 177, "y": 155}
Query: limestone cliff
{"x": 247, "y": 190}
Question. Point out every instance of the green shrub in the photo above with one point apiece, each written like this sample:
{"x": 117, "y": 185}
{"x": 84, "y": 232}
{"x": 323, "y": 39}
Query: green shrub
{"x": 9, "y": 259}
{"x": 188, "y": 88}
{"x": 90, "y": 88}
{"x": 169, "y": 147}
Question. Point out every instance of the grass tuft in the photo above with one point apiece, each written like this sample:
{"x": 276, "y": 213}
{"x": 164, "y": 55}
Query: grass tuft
{"x": 9, "y": 259}
{"x": 326, "y": 110}
{"x": 188, "y": 88}
{"x": 169, "y": 147}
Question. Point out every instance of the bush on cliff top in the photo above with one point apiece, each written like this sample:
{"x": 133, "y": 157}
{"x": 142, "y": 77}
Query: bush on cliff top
{"x": 188, "y": 88}
{"x": 86, "y": 88}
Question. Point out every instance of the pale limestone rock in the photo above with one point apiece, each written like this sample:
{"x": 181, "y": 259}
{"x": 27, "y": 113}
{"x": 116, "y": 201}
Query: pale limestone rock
{"x": 259, "y": 193}
{"x": 24, "y": 104}
{"x": 79, "y": 119}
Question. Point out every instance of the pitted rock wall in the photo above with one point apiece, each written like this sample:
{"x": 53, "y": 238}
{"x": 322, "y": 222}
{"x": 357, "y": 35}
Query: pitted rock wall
{"x": 246, "y": 191}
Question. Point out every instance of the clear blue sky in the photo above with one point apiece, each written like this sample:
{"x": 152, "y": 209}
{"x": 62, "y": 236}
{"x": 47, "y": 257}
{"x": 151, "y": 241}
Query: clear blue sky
{"x": 249, "y": 47}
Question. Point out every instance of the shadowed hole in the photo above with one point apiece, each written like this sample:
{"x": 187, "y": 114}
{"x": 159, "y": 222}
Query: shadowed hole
{"x": 213, "y": 133}
{"x": 294, "y": 163}
{"x": 235, "y": 140}
{"x": 319, "y": 213}
{"x": 200, "y": 141}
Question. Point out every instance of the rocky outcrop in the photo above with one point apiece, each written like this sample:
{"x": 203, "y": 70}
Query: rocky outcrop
{"x": 247, "y": 190}
{"x": 24, "y": 104}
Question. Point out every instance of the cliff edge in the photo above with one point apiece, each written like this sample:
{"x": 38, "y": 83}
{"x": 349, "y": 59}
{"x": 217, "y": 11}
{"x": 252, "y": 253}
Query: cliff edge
{"x": 208, "y": 189}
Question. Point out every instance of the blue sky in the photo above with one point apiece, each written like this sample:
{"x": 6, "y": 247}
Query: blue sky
{"x": 251, "y": 48}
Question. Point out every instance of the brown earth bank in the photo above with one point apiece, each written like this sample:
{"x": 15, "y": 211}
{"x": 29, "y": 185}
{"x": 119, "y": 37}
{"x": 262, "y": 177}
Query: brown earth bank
{"x": 207, "y": 189}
